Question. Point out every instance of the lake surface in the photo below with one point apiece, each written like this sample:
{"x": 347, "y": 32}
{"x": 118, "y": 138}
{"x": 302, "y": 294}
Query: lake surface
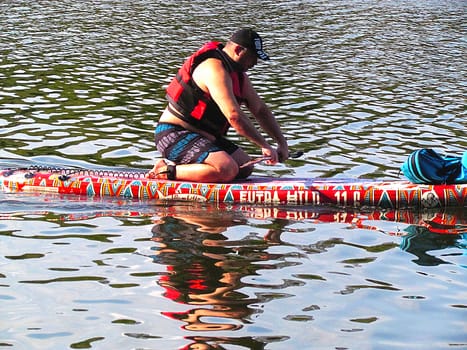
{"x": 356, "y": 85}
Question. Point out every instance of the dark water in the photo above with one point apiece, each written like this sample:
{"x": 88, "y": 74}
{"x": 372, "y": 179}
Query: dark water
{"x": 356, "y": 85}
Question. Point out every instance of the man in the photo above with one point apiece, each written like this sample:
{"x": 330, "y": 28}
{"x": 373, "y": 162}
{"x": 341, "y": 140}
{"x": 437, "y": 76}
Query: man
{"x": 204, "y": 101}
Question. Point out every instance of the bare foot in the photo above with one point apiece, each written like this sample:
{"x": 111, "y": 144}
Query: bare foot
{"x": 159, "y": 171}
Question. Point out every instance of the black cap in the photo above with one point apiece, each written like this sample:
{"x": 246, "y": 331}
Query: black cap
{"x": 249, "y": 39}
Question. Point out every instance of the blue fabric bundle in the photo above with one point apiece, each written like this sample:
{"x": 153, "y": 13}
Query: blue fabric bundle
{"x": 425, "y": 166}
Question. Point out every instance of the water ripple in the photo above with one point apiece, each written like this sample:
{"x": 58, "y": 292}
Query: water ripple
{"x": 342, "y": 80}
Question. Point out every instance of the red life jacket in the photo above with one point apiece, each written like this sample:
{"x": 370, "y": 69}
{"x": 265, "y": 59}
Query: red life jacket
{"x": 192, "y": 104}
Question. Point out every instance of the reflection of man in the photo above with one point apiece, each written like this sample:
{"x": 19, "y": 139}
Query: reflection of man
{"x": 205, "y": 268}
{"x": 197, "y": 274}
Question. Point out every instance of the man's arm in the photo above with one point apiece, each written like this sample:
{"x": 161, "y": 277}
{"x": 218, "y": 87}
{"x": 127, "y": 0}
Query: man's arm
{"x": 265, "y": 118}
{"x": 212, "y": 77}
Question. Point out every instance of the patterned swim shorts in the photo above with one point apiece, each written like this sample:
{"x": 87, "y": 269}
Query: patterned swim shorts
{"x": 186, "y": 147}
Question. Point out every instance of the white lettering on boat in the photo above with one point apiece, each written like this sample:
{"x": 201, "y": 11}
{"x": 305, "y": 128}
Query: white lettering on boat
{"x": 184, "y": 196}
{"x": 265, "y": 197}
{"x": 303, "y": 197}
{"x": 356, "y": 198}
{"x": 342, "y": 198}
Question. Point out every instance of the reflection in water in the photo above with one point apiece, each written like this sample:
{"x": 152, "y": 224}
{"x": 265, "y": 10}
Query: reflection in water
{"x": 223, "y": 271}
{"x": 420, "y": 240}
{"x": 207, "y": 270}
{"x": 433, "y": 231}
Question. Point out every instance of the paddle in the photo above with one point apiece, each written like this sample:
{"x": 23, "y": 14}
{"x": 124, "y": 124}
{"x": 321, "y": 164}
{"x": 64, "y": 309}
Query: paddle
{"x": 293, "y": 155}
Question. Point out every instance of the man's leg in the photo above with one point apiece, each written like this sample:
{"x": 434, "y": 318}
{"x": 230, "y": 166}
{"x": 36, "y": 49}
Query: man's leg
{"x": 217, "y": 167}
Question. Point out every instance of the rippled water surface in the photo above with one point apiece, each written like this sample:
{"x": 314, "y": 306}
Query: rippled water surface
{"x": 356, "y": 85}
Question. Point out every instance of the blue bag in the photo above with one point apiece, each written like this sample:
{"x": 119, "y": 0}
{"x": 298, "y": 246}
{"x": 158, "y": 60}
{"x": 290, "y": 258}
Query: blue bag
{"x": 425, "y": 166}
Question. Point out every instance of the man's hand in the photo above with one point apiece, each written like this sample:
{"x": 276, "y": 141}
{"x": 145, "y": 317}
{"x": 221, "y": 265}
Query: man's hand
{"x": 271, "y": 154}
{"x": 283, "y": 153}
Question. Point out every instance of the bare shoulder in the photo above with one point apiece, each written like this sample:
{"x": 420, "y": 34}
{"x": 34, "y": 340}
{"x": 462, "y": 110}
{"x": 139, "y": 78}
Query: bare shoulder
{"x": 210, "y": 66}
{"x": 210, "y": 72}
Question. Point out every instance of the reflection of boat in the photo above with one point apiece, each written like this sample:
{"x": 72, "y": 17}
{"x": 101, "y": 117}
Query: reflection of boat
{"x": 255, "y": 190}
{"x": 447, "y": 221}
{"x": 215, "y": 217}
